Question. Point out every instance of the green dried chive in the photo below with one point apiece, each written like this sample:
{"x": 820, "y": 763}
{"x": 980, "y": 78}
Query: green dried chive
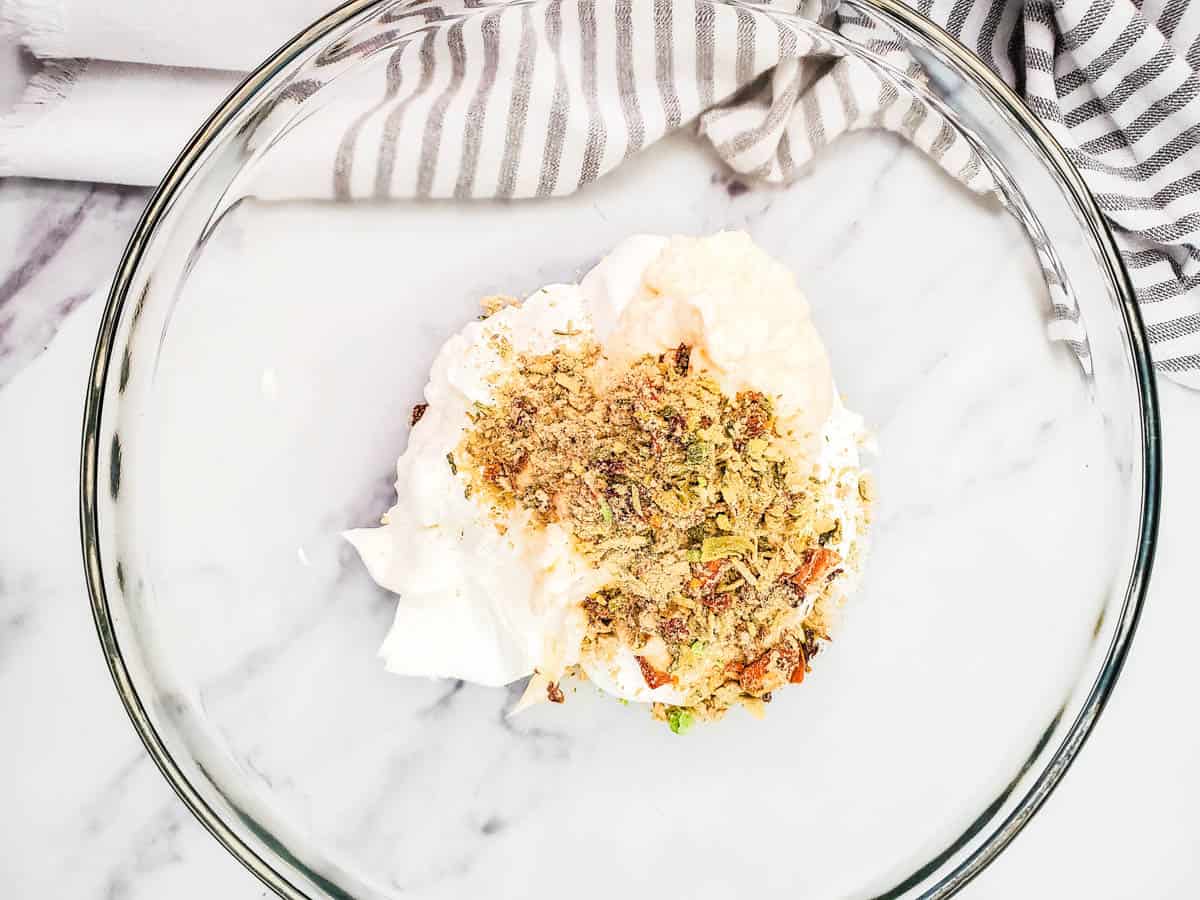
{"x": 453, "y": 467}
{"x": 680, "y": 720}
{"x": 728, "y": 545}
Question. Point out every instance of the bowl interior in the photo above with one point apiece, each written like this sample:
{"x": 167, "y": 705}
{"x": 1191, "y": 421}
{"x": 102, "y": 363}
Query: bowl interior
{"x": 264, "y": 360}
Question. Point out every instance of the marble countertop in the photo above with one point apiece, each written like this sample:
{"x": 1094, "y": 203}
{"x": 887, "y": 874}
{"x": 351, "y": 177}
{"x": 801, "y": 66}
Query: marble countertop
{"x": 87, "y": 814}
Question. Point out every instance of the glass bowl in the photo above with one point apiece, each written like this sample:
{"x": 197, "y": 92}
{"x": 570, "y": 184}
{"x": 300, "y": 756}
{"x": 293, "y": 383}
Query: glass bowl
{"x": 250, "y": 392}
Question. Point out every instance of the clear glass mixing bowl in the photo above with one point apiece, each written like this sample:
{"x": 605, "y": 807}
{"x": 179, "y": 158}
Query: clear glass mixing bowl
{"x": 251, "y": 388}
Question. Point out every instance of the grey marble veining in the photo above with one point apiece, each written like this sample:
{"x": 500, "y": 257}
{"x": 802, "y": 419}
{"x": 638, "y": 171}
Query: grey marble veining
{"x": 96, "y": 820}
{"x": 58, "y": 244}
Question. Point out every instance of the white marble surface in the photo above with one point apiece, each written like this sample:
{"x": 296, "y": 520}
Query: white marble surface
{"x": 87, "y": 815}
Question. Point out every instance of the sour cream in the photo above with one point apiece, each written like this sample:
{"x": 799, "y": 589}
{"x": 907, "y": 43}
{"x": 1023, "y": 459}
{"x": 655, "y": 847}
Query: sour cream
{"x": 491, "y": 601}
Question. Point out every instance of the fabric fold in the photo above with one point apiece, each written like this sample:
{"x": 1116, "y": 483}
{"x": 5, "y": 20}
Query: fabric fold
{"x": 214, "y": 34}
{"x": 90, "y": 120}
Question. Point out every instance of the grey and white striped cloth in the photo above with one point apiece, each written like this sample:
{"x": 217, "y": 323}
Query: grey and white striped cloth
{"x": 1115, "y": 82}
{"x": 638, "y": 69}
{"x": 1118, "y": 84}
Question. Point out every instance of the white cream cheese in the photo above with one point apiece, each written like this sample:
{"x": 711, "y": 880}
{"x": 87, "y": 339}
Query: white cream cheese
{"x": 476, "y": 604}
{"x": 492, "y": 607}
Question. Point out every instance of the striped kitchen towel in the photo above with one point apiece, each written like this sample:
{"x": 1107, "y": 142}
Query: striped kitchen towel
{"x": 541, "y": 97}
{"x": 587, "y": 83}
{"x": 1116, "y": 84}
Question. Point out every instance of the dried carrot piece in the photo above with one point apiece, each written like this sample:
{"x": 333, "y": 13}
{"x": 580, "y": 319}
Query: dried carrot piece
{"x": 655, "y": 678}
{"x": 818, "y": 563}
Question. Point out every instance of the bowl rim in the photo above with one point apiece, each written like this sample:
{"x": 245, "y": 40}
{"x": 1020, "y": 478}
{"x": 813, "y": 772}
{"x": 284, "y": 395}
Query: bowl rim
{"x": 890, "y": 10}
